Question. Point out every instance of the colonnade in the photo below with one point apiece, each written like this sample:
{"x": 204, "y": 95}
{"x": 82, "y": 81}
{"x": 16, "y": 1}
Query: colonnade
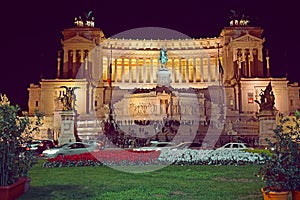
{"x": 143, "y": 70}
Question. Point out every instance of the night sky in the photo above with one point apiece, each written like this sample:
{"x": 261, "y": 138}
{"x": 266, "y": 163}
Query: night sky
{"x": 31, "y": 31}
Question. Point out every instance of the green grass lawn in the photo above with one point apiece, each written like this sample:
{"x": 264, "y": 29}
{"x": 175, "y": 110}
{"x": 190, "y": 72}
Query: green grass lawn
{"x": 172, "y": 182}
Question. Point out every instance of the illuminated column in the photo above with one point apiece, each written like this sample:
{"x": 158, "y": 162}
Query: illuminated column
{"x": 243, "y": 60}
{"x": 144, "y": 70}
{"x": 217, "y": 73}
{"x": 187, "y": 70}
{"x": 90, "y": 65}
{"x": 74, "y": 56}
{"x": 201, "y": 70}
{"x": 173, "y": 70}
{"x": 208, "y": 69}
{"x": 123, "y": 71}
{"x": 70, "y": 63}
{"x": 86, "y": 63}
{"x": 250, "y": 59}
{"x": 137, "y": 70}
{"x": 239, "y": 59}
{"x": 116, "y": 70}
{"x": 151, "y": 70}
{"x": 268, "y": 63}
{"x": 130, "y": 71}
{"x": 81, "y": 56}
{"x": 194, "y": 69}
{"x": 100, "y": 67}
{"x": 180, "y": 75}
{"x": 58, "y": 64}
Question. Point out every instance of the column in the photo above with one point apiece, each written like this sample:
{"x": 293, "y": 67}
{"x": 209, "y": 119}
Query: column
{"x": 70, "y": 64}
{"x": 58, "y": 64}
{"x": 250, "y": 58}
{"x": 201, "y": 70}
{"x": 187, "y": 70}
{"x": 81, "y": 56}
{"x": 173, "y": 70}
{"x": 244, "y": 71}
{"x": 116, "y": 70}
{"x": 123, "y": 71}
{"x": 208, "y": 69}
{"x": 180, "y": 71}
{"x": 137, "y": 70}
{"x": 144, "y": 70}
{"x": 151, "y": 70}
{"x": 100, "y": 67}
{"x": 90, "y": 65}
{"x": 239, "y": 60}
{"x": 86, "y": 63}
{"x": 194, "y": 69}
{"x": 268, "y": 65}
{"x": 130, "y": 72}
{"x": 73, "y": 70}
{"x": 217, "y": 73}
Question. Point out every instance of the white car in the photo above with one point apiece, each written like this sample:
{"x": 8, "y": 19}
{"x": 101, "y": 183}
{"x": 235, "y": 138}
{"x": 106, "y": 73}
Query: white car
{"x": 233, "y": 146}
{"x": 70, "y": 149}
{"x": 156, "y": 146}
{"x": 187, "y": 145}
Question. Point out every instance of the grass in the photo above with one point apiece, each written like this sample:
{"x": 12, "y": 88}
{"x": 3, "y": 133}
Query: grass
{"x": 172, "y": 182}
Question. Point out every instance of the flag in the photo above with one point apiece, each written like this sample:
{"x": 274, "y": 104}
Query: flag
{"x": 221, "y": 70}
{"x": 109, "y": 75}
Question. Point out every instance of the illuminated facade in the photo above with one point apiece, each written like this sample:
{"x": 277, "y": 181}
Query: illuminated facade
{"x": 194, "y": 65}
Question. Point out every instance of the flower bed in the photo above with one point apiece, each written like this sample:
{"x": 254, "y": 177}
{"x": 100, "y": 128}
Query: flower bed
{"x": 210, "y": 157}
{"x": 106, "y": 157}
{"x": 178, "y": 157}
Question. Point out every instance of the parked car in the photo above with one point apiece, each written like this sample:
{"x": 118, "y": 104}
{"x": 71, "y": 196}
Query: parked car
{"x": 70, "y": 148}
{"x": 38, "y": 145}
{"x": 234, "y": 145}
{"x": 188, "y": 145}
{"x": 156, "y": 146}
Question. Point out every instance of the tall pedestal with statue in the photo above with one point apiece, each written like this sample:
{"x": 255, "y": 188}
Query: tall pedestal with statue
{"x": 163, "y": 74}
{"x": 267, "y": 125}
{"x": 267, "y": 116}
{"x": 68, "y": 117}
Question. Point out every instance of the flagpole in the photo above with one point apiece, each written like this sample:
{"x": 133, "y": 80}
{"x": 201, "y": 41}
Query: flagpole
{"x": 221, "y": 71}
{"x": 110, "y": 86}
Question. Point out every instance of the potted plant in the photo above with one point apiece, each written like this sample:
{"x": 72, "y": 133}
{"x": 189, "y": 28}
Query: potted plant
{"x": 281, "y": 170}
{"x": 15, "y": 162}
{"x": 294, "y": 147}
{"x": 277, "y": 171}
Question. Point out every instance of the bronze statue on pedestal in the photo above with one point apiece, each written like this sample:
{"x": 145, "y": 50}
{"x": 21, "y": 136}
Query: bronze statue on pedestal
{"x": 267, "y": 99}
{"x": 69, "y": 97}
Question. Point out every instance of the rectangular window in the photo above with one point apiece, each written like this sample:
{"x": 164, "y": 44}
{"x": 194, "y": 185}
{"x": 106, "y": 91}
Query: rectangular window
{"x": 36, "y": 104}
{"x": 250, "y": 97}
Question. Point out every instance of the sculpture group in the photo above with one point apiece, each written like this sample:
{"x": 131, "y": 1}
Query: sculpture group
{"x": 267, "y": 99}
{"x": 68, "y": 99}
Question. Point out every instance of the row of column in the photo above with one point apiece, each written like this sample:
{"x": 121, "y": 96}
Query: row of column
{"x": 246, "y": 56}
{"x": 211, "y": 73}
{"x": 72, "y": 62}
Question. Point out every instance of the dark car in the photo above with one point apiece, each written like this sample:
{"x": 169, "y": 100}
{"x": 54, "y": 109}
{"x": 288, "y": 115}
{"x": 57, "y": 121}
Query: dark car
{"x": 39, "y": 145}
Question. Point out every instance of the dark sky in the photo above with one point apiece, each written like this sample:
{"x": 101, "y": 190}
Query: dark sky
{"x": 31, "y": 31}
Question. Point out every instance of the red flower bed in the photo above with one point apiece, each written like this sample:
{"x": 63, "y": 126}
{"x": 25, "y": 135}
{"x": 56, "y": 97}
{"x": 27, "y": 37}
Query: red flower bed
{"x": 107, "y": 157}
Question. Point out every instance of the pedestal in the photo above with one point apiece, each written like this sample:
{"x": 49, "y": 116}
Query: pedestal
{"x": 67, "y": 133}
{"x": 163, "y": 77}
{"x": 267, "y": 124}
